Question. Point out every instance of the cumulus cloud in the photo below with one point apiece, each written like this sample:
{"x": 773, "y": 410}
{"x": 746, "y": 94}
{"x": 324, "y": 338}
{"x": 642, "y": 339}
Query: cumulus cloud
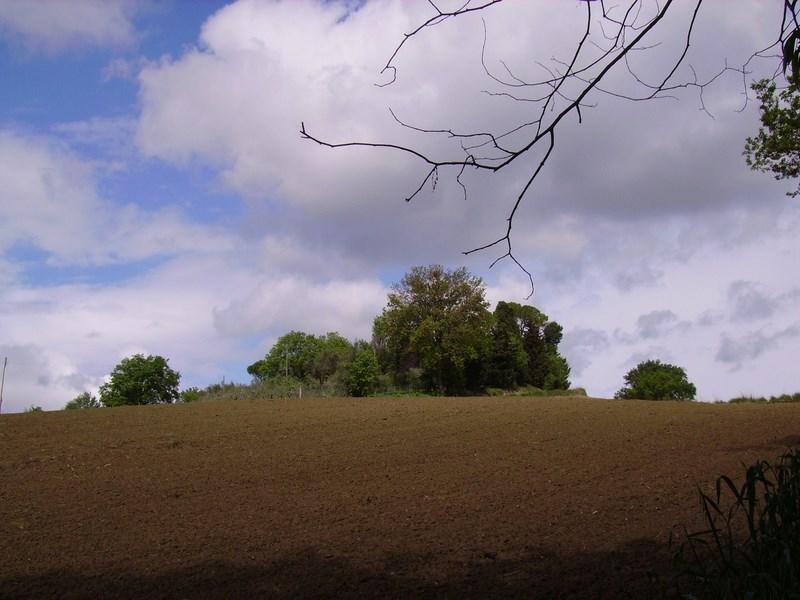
{"x": 54, "y": 25}
{"x": 51, "y": 203}
{"x": 37, "y": 376}
{"x": 749, "y": 302}
{"x": 653, "y": 325}
{"x": 735, "y": 351}
{"x": 658, "y": 324}
{"x": 581, "y": 346}
{"x": 276, "y": 306}
{"x": 622, "y": 187}
{"x": 645, "y": 212}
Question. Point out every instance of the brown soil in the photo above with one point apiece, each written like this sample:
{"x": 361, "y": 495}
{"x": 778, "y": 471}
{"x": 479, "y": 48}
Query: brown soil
{"x": 419, "y": 497}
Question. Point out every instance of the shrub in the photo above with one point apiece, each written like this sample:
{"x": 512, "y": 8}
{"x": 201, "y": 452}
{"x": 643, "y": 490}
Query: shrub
{"x": 750, "y": 547}
{"x": 192, "y": 394}
{"x": 771, "y": 400}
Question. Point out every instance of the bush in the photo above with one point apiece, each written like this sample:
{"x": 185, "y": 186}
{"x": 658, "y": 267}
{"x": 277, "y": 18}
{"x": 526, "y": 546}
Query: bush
{"x": 192, "y": 394}
{"x": 535, "y": 392}
{"x": 34, "y": 409}
{"x": 751, "y": 545}
{"x": 654, "y": 380}
{"x": 783, "y": 398}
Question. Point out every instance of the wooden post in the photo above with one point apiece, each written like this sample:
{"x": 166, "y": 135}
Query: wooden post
{"x": 3, "y": 382}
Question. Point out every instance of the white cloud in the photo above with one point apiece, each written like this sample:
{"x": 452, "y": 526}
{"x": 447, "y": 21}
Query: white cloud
{"x": 51, "y": 203}
{"x": 275, "y": 306}
{"x": 55, "y": 25}
{"x": 643, "y": 208}
{"x": 36, "y": 376}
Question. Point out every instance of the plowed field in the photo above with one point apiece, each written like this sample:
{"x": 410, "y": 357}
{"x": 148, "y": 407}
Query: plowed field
{"x": 410, "y": 497}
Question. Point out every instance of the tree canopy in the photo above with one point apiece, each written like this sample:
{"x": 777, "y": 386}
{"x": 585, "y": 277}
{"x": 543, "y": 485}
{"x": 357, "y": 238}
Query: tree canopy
{"x": 654, "y": 380}
{"x": 436, "y": 334}
{"x": 141, "y": 379}
{"x": 436, "y": 320}
{"x": 437, "y": 323}
{"x": 84, "y": 400}
{"x": 302, "y": 355}
{"x": 776, "y": 147}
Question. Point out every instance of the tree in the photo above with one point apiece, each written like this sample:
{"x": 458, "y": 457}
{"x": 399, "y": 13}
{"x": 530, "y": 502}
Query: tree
{"x": 141, "y": 379}
{"x": 613, "y": 34}
{"x": 776, "y": 147}
{"x": 84, "y": 400}
{"x": 301, "y": 355}
{"x": 508, "y": 361}
{"x": 654, "y": 380}
{"x": 557, "y": 375}
{"x": 332, "y": 352}
{"x": 293, "y": 354}
{"x": 437, "y": 320}
{"x": 362, "y": 374}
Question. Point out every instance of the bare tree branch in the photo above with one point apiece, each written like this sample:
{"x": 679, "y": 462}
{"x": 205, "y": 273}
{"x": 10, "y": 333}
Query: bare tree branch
{"x": 564, "y": 91}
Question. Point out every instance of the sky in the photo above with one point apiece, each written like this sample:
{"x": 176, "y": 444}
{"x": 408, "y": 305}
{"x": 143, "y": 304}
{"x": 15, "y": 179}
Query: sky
{"x": 156, "y": 196}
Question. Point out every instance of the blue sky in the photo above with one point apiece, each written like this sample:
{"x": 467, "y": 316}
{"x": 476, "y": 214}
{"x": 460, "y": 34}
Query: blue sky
{"x": 157, "y": 196}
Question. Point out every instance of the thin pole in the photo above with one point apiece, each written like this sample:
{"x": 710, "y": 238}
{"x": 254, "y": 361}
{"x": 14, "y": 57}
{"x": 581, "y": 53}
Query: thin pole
{"x": 3, "y": 382}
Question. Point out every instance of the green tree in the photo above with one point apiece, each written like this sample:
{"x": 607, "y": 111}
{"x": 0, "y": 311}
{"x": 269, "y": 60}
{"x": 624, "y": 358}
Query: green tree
{"x": 141, "y": 379}
{"x": 84, "y": 400}
{"x": 776, "y": 147}
{"x": 557, "y": 375}
{"x": 508, "y": 361}
{"x": 293, "y": 354}
{"x": 437, "y": 320}
{"x": 654, "y": 380}
{"x": 332, "y": 353}
{"x": 362, "y": 374}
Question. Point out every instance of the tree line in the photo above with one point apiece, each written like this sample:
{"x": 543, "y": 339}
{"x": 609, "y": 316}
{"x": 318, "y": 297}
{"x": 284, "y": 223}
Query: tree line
{"x": 436, "y": 334}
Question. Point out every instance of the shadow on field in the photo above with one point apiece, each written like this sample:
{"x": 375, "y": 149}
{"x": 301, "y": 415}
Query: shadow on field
{"x": 617, "y": 574}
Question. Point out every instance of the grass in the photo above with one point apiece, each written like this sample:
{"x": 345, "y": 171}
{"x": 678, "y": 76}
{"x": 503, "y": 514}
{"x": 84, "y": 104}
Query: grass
{"x": 751, "y": 545}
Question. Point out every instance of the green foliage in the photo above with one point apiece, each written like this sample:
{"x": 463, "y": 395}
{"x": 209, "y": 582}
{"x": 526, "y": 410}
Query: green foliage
{"x": 783, "y": 398}
{"x": 508, "y": 361}
{"x": 525, "y": 349}
{"x": 302, "y": 355}
{"x": 141, "y": 379}
{"x": 192, "y": 394}
{"x": 654, "y": 380}
{"x": 435, "y": 335}
{"x": 332, "y": 353}
{"x": 34, "y": 409}
{"x": 293, "y": 354}
{"x": 436, "y": 320}
{"x": 557, "y": 376}
{"x": 81, "y": 401}
{"x": 534, "y": 392}
{"x": 750, "y": 547}
{"x": 776, "y": 146}
{"x": 363, "y": 374}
